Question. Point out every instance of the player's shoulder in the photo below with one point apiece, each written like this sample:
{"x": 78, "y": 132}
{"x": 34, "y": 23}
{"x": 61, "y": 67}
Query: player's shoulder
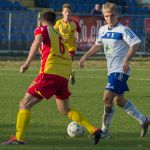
{"x": 73, "y": 21}
{"x": 120, "y": 25}
{"x": 123, "y": 28}
{"x": 104, "y": 27}
{"x": 39, "y": 30}
{"x": 58, "y": 22}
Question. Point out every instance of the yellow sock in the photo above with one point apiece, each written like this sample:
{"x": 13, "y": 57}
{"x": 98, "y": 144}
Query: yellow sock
{"x": 23, "y": 120}
{"x": 80, "y": 119}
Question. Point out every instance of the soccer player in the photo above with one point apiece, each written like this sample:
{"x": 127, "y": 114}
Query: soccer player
{"x": 68, "y": 29}
{"x": 52, "y": 80}
{"x": 120, "y": 45}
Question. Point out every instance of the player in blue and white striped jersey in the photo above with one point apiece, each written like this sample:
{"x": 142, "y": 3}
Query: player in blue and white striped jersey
{"x": 120, "y": 44}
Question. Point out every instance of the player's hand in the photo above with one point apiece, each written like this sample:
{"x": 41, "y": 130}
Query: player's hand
{"x": 82, "y": 61}
{"x": 126, "y": 65}
{"x": 23, "y": 68}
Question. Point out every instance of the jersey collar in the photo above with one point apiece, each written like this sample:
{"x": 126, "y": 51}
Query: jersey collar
{"x": 66, "y": 21}
{"x": 113, "y": 26}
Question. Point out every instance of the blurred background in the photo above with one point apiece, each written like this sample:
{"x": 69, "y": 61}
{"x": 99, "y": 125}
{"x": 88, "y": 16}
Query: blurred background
{"x": 18, "y": 19}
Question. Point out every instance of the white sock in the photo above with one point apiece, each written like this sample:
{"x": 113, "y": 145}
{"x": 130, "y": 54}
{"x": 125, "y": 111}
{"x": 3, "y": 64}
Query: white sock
{"x": 132, "y": 111}
{"x": 107, "y": 117}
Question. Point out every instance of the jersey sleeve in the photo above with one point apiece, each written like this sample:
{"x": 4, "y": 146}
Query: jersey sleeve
{"x": 78, "y": 29}
{"x": 98, "y": 38}
{"x": 56, "y": 26}
{"x": 130, "y": 37}
{"x": 38, "y": 31}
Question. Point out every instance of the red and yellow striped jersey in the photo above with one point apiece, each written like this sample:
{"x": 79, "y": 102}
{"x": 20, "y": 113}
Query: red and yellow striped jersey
{"x": 54, "y": 56}
{"x": 68, "y": 30}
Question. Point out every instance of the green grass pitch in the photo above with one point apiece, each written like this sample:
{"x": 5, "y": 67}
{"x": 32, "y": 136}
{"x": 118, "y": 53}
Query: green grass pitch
{"x": 48, "y": 127}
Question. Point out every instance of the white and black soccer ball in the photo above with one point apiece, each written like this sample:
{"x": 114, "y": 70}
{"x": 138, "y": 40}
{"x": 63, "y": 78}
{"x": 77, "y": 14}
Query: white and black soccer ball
{"x": 75, "y": 130}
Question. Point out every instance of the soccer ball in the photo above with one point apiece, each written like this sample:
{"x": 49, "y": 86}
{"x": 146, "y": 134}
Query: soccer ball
{"x": 75, "y": 130}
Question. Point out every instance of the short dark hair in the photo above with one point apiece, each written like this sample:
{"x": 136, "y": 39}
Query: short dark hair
{"x": 66, "y": 6}
{"x": 49, "y": 16}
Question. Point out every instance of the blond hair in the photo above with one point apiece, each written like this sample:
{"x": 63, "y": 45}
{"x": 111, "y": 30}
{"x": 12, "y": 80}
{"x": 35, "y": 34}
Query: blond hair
{"x": 110, "y": 7}
{"x": 66, "y": 6}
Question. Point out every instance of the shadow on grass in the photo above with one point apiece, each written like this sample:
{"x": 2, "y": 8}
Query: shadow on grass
{"x": 59, "y": 138}
{"x": 53, "y": 137}
{"x": 147, "y": 96}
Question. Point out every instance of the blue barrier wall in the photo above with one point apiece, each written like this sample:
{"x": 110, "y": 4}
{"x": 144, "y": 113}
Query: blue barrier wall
{"x": 16, "y": 29}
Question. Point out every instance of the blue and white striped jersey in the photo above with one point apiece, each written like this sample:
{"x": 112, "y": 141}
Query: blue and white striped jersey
{"x": 116, "y": 42}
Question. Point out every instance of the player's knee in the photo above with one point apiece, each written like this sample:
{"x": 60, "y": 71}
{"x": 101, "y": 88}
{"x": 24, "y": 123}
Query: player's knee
{"x": 120, "y": 102}
{"x": 27, "y": 102}
{"x": 107, "y": 101}
{"x": 23, "y": 104}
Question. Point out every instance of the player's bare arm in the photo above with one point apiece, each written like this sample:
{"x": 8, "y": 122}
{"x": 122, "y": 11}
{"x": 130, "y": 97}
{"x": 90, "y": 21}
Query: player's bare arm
{"x": 132, "y": 50}
{"x": 93, "y": 50}
{"x": 33, "y": 50}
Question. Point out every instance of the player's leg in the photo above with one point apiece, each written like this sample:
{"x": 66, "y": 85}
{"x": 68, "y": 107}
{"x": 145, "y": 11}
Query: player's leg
{"x": 23, "y": 119}
{"x": 108, "y": 112}
{"x": 24, "y": 115}
{"x": 132, "y": 111}
{"x": 62, "y": 101}
{"x": 64, "y": 108}
{"x": 72, "y": 76}
{"x": 32, "y": 96}
{"x": 110, "y": 91}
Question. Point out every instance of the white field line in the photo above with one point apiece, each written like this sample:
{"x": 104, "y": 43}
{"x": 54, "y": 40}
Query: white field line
{"x": 96, "y": 69}
{"x": 78, "y": 77}
{"x": 13, "y": 69}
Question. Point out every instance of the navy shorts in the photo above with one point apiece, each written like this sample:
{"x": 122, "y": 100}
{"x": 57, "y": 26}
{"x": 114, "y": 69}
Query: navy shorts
{"x": 117, "y": 83}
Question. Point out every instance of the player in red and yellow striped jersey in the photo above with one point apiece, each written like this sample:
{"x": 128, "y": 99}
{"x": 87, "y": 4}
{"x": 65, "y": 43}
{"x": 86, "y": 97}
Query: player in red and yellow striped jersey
{"x": 68, "y": 28}
{"x": 52, "y": 80}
